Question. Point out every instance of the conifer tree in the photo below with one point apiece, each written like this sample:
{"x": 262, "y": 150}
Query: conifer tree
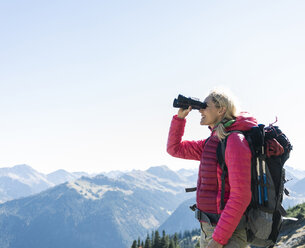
{"x": 156, "y": 240}
{"x": 148, "y": 242}
{"x": 171, "y": 244}
{"x": 164, "y": 243}
{"x": 152, "y": 239}
{"x": 134, "y": 244}
{"x": 176, "y": 240}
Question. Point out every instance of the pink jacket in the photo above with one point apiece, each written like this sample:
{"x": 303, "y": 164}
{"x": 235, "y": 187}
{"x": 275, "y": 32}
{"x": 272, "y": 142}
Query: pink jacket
{"x": 238, "y": 161}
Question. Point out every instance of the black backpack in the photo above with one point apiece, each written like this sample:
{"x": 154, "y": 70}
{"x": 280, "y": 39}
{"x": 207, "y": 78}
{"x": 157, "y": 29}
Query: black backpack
{"x": 264, "y": 214}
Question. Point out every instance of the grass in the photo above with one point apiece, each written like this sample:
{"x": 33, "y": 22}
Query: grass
{"x": 297, "y": 211}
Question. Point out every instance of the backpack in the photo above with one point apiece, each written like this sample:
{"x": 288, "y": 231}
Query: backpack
{"x": 270, "y": 149}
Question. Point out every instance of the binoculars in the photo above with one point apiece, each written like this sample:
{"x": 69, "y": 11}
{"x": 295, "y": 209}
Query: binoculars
{"x": 184, "y": 102}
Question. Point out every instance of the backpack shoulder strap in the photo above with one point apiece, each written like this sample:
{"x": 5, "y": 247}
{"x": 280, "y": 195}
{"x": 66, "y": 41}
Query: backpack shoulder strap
{"x": 220, "y": 152}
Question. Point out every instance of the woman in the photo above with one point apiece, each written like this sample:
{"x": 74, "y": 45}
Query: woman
{"x": 221, "y": 117}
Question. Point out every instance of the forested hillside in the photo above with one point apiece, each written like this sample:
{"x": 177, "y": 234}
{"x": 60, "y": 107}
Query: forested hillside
{"x": 189, "y": 239}
{"x": 292, "y": 234}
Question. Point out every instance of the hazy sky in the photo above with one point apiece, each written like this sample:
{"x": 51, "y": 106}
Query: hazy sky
{"x": 89, "y": 85}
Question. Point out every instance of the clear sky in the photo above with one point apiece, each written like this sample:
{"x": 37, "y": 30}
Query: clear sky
{"x": 89, "y": 85}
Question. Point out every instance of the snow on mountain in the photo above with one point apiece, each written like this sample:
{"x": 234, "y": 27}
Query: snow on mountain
{"x": 62, "y": 176}
{"x": 25, "y": 174}
{"x": 22, "y": 180}
{"x": 114, "y": 174}
{"x": 92, "y": 191}
{"x": 297, "y": 173}
{"x": 157, "y": 179}
{"x": 165, "y": 173}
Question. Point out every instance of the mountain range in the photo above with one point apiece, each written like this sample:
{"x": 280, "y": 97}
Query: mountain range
{"x": 93, "y": 212}
{"x": 22, "y": 180}
{"x": 64, "y": 209}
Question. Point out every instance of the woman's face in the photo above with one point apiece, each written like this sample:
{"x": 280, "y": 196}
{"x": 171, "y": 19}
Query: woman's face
{"x": 211, "y": 115}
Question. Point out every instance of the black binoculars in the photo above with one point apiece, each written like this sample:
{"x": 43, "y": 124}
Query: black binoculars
{"x": 185, "y": 102}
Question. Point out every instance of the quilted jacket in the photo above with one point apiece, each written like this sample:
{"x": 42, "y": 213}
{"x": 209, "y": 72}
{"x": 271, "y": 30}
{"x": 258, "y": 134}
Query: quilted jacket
{"x": 238, "y": 180}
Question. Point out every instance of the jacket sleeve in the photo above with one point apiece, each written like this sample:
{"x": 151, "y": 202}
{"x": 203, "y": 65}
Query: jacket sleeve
{"x": 182, "y": 149}
{"x": 238, "y": 160}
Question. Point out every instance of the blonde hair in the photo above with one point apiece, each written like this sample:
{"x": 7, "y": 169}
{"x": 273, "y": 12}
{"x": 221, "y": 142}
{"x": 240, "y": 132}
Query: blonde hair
{"x": 223, "y": 100}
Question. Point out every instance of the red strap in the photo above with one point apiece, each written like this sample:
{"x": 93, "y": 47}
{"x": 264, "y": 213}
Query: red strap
{"x": 274, "y": 148}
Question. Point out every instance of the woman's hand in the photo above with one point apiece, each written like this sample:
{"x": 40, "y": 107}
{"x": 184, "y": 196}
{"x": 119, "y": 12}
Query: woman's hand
{"x": 214, "y": 244}
{"x": 182, "y": 113}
